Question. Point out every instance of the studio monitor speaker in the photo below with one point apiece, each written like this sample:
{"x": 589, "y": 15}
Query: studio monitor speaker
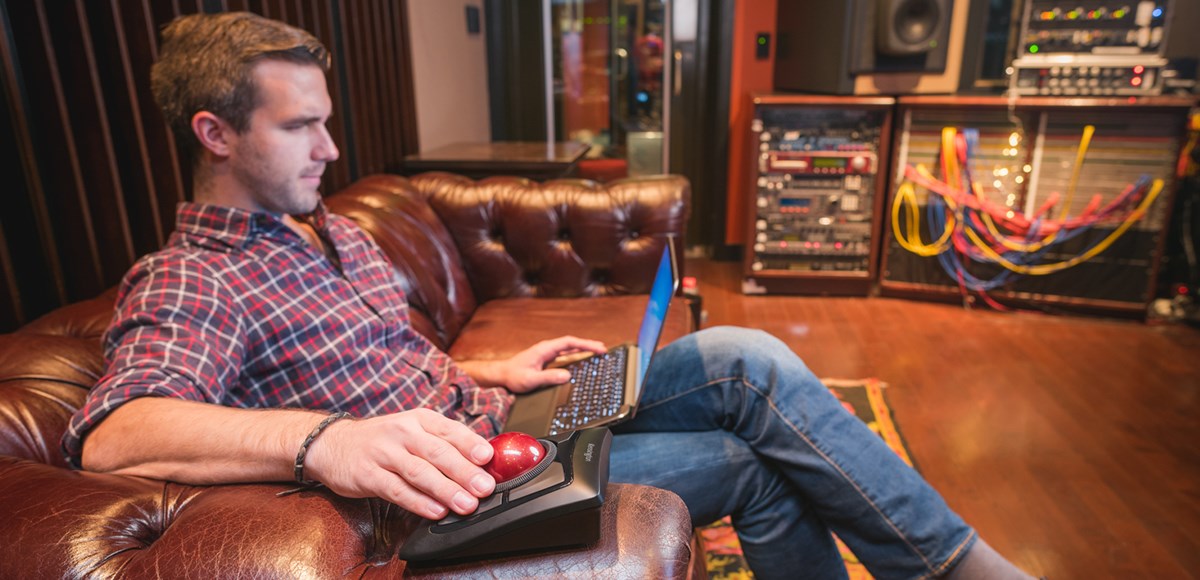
{"x": 911, "y": 27}
{"x": 870, "y": 46}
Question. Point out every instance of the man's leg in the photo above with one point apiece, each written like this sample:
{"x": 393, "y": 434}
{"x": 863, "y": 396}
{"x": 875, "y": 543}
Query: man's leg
{"x": 750, "y": 384}
{"x": 717, "y": 474}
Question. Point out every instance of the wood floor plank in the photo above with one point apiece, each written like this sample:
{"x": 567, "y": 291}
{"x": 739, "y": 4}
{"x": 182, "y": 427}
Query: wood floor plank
{"x": 1072, "y": 444}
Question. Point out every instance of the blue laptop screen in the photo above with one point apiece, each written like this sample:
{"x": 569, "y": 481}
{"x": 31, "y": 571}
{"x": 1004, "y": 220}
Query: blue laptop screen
{"x": 665, "y": 284}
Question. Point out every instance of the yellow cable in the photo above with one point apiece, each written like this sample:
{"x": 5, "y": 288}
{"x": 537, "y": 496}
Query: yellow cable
{"x": 950, "y": 157}
{"x": 1042, "y": 269}
{"x": 906, "y": 193}
{"x": 1088, "y": 131}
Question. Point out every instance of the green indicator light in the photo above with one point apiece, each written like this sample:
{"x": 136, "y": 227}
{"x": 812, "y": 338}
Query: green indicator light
{"x": 762, "y": 40}
{"x": 1033, "y": 48}
{"x": 932, "y": 44}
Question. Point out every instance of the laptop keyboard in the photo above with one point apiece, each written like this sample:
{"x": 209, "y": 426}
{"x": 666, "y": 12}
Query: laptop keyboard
{"x": 598, "y": 391}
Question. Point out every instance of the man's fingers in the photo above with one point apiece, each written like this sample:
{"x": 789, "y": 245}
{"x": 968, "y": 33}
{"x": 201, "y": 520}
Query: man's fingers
{"x": 555, "y": 376}
{"x": 437, "y": 469}
{"x": 567, "y": 344}
{"x": 398, "y": 491}
{"x": 418, "y": 459}
{"x": 468, "y": 442}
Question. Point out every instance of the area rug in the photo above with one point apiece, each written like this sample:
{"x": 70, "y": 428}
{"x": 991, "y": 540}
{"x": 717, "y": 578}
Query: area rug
{"x": 867, "y": 400}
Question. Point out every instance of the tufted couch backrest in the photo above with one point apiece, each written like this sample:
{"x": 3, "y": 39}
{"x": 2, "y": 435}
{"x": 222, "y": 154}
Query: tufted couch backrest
{"x": 565, "y": 238}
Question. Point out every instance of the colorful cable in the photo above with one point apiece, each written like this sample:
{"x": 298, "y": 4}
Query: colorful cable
{"x": 967, "y": 226}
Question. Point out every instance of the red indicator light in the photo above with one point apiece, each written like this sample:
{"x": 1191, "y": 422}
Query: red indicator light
{"x": 817, "y": 245}
{"x": 838, "y": 245}
{"x": 1139, "y": 69}
{"x": 783, "y": 244}
{"x": 1136, "y": 81}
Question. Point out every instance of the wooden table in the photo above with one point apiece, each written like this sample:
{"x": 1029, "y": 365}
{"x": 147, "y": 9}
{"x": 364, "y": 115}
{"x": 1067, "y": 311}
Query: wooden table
{"x": 533, "y": 159}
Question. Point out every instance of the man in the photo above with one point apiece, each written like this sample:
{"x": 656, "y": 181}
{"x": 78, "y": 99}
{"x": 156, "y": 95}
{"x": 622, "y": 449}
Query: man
{"x": 235, "y": 350}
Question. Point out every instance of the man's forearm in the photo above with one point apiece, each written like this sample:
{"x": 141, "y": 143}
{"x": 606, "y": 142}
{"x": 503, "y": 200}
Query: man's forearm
{"x": 198, "y": 443}
{"x": 418, "y": 459}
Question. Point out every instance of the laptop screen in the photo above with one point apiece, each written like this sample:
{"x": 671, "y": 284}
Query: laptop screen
{"x": 666, "y": 282}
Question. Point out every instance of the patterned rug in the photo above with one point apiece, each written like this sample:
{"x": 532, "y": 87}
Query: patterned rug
{"x": 867, "y": 400}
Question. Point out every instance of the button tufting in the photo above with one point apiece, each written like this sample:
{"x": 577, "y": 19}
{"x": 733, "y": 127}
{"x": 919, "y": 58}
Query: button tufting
{"x": 564, "y": 235}
{"x": 634, "y": 234}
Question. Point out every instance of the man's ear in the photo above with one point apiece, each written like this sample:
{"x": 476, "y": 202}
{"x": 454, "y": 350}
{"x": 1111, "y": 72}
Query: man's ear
{"x": 213, "y": 133}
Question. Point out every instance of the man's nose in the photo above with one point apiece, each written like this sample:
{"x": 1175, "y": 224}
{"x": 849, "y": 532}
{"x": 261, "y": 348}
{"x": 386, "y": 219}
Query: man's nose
{"x": 326, "y": 150}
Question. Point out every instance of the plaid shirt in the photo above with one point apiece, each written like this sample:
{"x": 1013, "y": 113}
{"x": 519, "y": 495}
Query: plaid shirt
{"x": 238, "y": 310}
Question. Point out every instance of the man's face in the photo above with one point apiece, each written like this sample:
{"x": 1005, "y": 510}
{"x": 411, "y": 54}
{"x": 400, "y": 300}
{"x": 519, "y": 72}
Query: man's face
{"x": 278, "y": 160}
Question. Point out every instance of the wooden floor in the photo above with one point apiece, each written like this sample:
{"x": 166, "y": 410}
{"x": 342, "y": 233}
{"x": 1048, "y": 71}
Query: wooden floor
{"x": 1072, "y": 444}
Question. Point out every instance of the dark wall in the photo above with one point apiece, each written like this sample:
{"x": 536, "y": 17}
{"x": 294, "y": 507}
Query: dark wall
{"x": 91, "y": 176}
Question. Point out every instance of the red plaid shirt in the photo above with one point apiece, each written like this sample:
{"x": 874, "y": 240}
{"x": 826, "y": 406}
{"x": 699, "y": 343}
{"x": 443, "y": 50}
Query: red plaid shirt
{"x": 239, "y": 310}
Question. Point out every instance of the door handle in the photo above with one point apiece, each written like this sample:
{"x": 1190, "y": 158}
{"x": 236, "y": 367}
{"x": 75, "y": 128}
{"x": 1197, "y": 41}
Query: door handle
{"x": 678, "y": 84}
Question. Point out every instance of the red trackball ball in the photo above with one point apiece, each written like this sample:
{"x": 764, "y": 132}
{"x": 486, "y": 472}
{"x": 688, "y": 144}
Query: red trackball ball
{"x": 515, "y": 453}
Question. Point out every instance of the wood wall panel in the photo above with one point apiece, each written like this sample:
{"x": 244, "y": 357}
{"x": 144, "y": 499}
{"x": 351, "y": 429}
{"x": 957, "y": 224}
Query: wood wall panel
{"x": 54, "y": 150}
{"x": 92, "y": 173}
{"x": 140, "y": 36}
{"x": 100, "y": 201}
{"x": 24, "y": 216}
{"x": 10, "y": 300}
{"x": 125, "y": 128}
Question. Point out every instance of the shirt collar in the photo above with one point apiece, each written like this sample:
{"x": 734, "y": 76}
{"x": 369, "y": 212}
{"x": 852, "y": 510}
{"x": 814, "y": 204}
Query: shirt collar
{"x": 231, "y": 226}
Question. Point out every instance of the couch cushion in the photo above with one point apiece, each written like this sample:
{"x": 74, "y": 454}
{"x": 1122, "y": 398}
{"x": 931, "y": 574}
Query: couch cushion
{"x": 43, "y": 380}
{"x": 84, "y": 319}
{"x": 502, "y": 328}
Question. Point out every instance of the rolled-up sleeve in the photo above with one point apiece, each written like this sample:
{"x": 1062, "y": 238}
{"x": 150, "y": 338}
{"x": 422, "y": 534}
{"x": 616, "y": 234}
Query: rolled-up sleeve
{"x": 176, "y": 333}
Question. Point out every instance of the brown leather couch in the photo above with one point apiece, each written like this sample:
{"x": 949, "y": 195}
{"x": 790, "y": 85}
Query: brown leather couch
{"x": 489, "y": 267}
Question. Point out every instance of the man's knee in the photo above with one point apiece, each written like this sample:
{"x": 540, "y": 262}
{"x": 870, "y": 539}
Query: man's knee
{"x": 739, "y": 339}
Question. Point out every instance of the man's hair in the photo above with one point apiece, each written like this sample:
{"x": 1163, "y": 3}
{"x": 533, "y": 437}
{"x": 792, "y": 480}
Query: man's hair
{"x": 206, "y": 63}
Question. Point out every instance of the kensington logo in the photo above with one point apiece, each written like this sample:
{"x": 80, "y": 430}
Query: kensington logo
{"x": 587, "y": 455}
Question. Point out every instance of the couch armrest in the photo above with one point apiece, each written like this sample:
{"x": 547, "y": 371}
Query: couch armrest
{"x": 62, "y": 523}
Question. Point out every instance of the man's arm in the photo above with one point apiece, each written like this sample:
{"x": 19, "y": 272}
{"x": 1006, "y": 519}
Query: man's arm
{"x": 526, "y": 370}
{"x": 418, "y": 459}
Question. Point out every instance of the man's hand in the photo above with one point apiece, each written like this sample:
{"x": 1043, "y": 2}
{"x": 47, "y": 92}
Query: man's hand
{"x": 418, "y": 460}
{"x": 526, "y": 370}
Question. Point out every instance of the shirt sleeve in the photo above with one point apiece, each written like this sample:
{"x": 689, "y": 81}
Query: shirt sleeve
{"x": 176, "y": 332}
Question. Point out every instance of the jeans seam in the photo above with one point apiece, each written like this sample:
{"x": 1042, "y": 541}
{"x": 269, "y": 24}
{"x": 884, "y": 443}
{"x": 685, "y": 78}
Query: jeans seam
{"x": 953, "y": 556}
{"x": 900, "y": 534}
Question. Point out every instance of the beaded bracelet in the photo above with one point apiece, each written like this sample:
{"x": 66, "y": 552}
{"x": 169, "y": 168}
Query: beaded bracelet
{"x": 308, "y": 441}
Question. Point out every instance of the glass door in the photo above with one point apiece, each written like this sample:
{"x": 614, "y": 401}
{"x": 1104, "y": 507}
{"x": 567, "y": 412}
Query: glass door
{"x": 608, "y": 76}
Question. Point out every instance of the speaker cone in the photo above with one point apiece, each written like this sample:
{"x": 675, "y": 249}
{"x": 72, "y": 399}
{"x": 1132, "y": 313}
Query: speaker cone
{"x": 909, "y": 27}
{"x": 916, "y": 21}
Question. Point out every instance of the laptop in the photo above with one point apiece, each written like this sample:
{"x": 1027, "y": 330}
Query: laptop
{"x": 604, "y": 388}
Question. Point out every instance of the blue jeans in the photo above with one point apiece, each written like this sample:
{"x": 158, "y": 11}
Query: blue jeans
{"x": 734, "y": 423}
